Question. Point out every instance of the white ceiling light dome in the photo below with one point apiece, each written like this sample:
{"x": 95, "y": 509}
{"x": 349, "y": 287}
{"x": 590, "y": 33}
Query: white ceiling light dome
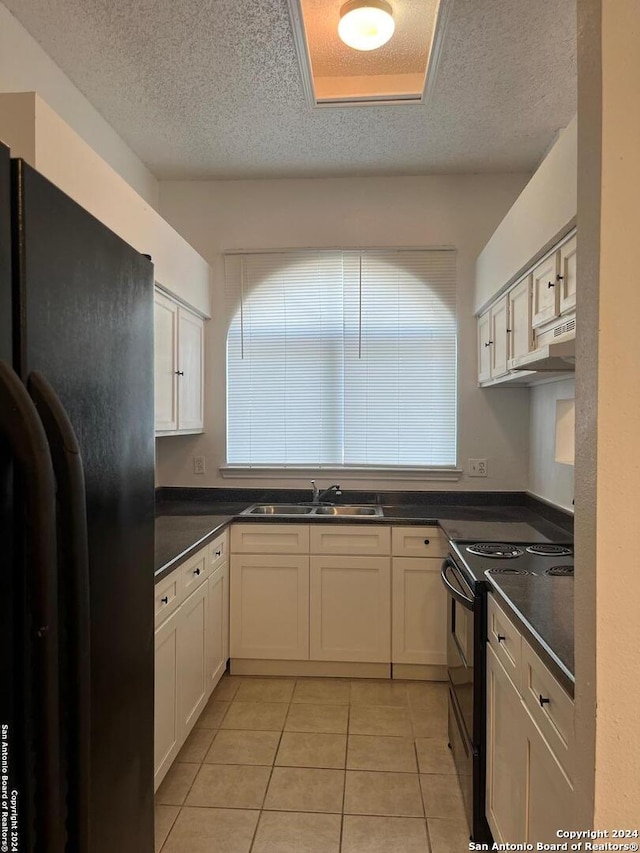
{"x": 366, "y": 24}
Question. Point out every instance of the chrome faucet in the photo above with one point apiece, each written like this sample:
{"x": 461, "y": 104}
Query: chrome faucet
{"x": 318, "y": 496}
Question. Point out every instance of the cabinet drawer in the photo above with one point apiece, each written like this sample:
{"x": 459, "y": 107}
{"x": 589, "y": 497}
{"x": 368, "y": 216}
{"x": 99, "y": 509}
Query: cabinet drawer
{"x": 360, "y": 539}
{"x": 549, "y": 705}
{"x": 418, "y": 542}
{"x": 270, "y": 538}
{"x": 218, "y": 550}
{"x": 504, "y": 638}
{"x": 167, "y": 596}
{"x": 195, "y": 570}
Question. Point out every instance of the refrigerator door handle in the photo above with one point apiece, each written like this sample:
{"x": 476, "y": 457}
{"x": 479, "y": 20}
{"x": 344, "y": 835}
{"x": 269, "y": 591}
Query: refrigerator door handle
{"x": 20, "y": 423}
{"x": 74, "y": 577}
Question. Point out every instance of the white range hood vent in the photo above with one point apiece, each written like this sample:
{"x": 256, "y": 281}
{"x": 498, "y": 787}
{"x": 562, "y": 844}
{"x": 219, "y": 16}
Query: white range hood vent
{"x": 559, "y": 356}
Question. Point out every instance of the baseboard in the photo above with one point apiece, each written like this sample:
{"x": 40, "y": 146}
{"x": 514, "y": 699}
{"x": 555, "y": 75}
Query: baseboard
{"x": 326, "y": 669}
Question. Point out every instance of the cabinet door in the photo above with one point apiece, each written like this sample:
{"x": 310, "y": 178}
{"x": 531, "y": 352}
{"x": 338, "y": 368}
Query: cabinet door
{"x": 419, "y": 633}
{"x": 484, "y": 347}
{"x": 505, "y": 755}
{"x": 546, "y": 297}
{"x": 270, "y": 606}
{"x": 217, "y": 624}
{"x": 520, "y": 318}
{"x": 166, "y": 722}
{"x": 166, "y": 350}
{"x": 549, "y": 798}
{"x": 192, "y": 678}
{"x": 190, "y": 367}
{"x": 568, "y": 271}
{"x": 499, "y": 338}
{"x": 350, "y": 609}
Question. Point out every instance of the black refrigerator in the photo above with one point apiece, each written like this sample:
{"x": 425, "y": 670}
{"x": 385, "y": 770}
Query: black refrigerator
{"x": 76, "y": 526}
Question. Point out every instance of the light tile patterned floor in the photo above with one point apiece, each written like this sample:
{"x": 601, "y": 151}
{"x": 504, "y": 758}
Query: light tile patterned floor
{"x": 315, "y": 765}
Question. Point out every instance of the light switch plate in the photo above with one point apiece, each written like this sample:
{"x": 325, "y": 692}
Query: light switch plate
{"x": 477, "y": 467}
{"x": 198, "y": 465}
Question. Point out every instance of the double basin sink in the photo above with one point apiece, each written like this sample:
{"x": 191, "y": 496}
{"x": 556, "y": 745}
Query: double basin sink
{"x": 297, "y": 509}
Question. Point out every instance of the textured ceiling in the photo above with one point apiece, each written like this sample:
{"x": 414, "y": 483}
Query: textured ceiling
{"x": 212, "y": 88}
{"x": 407, "y": 51}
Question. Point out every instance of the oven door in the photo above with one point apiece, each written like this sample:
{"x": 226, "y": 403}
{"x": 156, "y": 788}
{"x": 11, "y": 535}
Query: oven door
{"x": 460, "y": 641}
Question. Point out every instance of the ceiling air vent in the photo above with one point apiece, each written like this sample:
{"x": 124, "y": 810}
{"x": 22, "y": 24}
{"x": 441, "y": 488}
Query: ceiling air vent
{"x": 402, "y": 71}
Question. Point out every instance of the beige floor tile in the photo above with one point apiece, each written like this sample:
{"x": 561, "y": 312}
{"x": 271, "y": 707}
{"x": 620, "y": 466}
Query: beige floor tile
{"x": 311, "y": 749}
{"x": 428, "y": 722}
{"x": 300, "y": 789}
{"x": 212, "y": 715}
{"x": 447, "y": 836}
{"x": 294, "y": 832}
{"x": 330, "y": 719}
{"x": 442, "y": 796}
{"x": 384, "y": 835}
{"x": 229, "y": 786}
{"x": 431, "y": 693}
{"x": 175, "y": 785}
{"x": 227, "y": 688}
{"x": 266, "y": 690}
{"x": 239, "y": 747}
{"x": 196, "y": 745}
{"x": 322, "y": 691}
{"x": 379, "y": 693}
{"x": 383, "y": 794}
{"x": 434, "y": 756}
{"x": 212, "y": 831}
{"x": 164, "y": 819}
{"x": 428, "y": 702}
{"x": 255, "y": 716}
{"x": 379, "y": 720}
{"x": 368, "y": 752}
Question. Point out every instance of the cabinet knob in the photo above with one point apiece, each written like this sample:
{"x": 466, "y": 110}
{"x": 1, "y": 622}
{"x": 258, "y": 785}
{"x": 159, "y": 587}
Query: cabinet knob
{"x": 427, "y": 541}
{"x": 559, "y": 277}
{"x": 501, "y": 638}
{"x": 508, "y": 331}
{"x": 488, "y": 343}
{"x": 165, "y": 599}
{"x": 218, "y": 553}
{"x": 179, "y": 372}
{"x": 543, "y": 700}
{"x": 551, "y": 284}
{"x": 196, "y": 571}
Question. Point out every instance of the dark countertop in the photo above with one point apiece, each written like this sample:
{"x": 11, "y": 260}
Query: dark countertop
{"x": 542, "y": 608}
{"x": 178, "y": 536}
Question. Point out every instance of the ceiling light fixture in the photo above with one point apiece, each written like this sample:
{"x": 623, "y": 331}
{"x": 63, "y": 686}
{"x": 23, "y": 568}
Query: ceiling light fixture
{"x": 366, "y": 24}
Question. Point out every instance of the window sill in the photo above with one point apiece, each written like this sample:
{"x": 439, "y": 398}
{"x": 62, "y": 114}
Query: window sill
{"x": 356, "y": 472}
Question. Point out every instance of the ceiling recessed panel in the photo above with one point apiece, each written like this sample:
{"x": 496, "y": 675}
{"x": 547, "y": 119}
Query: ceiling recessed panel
{"x": 336, "y": 73}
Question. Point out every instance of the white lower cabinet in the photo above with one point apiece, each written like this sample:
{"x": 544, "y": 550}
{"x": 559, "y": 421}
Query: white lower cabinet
{"x": 191, "y": 648}
{"x": 419, "y": 611}
{"x": 166, "y": 722}
{"x": 270, "y": 606}
{"x": 349, "y": 612}
{"x": 192, "y": 676}
{"x": 529, "y": 797}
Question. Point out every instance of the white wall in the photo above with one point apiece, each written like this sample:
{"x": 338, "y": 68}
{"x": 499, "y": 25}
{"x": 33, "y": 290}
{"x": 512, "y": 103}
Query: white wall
{"x": 548, "y": 479}
{"x": 460, "y": 211}
{"x": 25, "y": 67}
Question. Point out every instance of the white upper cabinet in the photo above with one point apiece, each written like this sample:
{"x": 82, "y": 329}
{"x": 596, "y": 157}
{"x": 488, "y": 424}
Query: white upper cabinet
{"x": 484, "y": 347}
{"x": 520, "y": 318}
{"x": 499, "y": 338}
{"x": 179, "y": 368}
{"x": 545, "y": 291}
{"x": 568, "y": 275}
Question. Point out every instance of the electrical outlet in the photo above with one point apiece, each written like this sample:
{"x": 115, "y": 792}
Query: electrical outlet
{"x": 477, "y": 467}
{"x": 198, "y": 465}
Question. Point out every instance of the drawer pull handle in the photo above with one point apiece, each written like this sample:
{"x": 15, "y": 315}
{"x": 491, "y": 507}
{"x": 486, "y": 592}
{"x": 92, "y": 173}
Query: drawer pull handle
{"x": 427, "y": 541}
{"x": 543, "y": 700}
{"x": 165, "y": 599}
{"x": 501, "y": 638}
{"x": 219, "y": 553}
{"x": 196, "y": 571}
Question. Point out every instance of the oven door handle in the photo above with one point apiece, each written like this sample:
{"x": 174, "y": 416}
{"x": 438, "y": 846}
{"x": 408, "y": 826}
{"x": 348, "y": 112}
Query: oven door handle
{"x": 453, "y": 592}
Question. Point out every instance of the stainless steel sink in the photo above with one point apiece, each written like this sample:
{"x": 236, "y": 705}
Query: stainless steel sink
{"x": 295, "y": 509}
{"x": 349, "y": 510}
{"x": 278, "y": 509}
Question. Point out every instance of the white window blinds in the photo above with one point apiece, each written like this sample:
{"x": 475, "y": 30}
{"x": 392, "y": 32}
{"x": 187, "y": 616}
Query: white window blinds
{"x": 342, "y": 358}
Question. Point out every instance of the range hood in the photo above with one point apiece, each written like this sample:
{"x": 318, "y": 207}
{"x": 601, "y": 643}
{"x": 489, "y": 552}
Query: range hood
{"x": 559, "y": 356}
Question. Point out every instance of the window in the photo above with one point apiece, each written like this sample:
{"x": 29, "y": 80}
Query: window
{"x": 342, "y": 359}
